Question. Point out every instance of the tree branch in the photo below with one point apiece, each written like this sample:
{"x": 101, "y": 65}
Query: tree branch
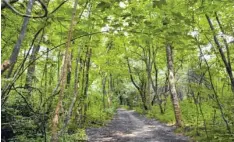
{"x": 4, "y": 4}
{"x": 26, "y": 15}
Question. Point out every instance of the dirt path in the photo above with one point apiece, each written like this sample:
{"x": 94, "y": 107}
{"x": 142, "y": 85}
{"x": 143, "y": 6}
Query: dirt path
{"x": 129, "y": 126}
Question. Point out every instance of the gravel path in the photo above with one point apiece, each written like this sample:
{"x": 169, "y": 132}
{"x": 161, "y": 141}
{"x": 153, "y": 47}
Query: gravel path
{"x": 129, "y": 126}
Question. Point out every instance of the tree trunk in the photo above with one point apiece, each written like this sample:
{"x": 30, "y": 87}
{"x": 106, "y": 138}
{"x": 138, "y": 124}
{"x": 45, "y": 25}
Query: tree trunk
{"x": 31, "y": 69}
{"x": 86, "y": 81}
{"x": 69, "y": 69}
{"x": 171, "y": 78}
{"x": 88, "y": 54}
{"x": 142, "y": 92}
{"x": 223, "y": 115}
{"x": 76, "y": 91}
{"x": 14, "y": 55}
{"x": 110, "y": 90}
{"x": 55, "y": 121}
{"x": 148, "y": 70}
{"x": 104, "y": 91}
{"x": 76, "y": 88}
{"x": 221, "y": 52}
{"x": 155, "y": 88}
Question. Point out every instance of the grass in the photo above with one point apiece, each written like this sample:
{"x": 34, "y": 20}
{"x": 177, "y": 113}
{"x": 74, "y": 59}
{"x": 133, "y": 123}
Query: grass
{"x": 215, "y": 129}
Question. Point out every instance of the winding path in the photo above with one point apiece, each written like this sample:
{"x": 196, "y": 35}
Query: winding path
{"x": 129, "y": 126}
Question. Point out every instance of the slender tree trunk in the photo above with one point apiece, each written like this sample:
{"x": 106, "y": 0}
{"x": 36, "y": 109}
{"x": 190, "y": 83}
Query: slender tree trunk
{"x": 88, "y": 54}
{"x": 78, "y": 116}
{"x": 110, "y": 90}
{"x": 154, "y": 86}
{"x": 166, "y": 89}
{"x": 45, "y": 95}
{"x": 108, "y": 95}
{"x": 149, "y": 70}
{"x": 174, "y": 95}
{"x": 14, "y": 55}
{"x": 82, "y": 62}
{"x": 76, "y": 88}
{"x": 31, "y": 68}
{"x": 58, "y": 67}
{"x": 76, "y": 91}
{"x": 216, "y": 95}
{"x": 69, "y": 69}
{"x": 46, "y": 68}
{"x": 148, "y": 64}
{"x": 224, "y": 39}
{"x": 111, "y": 83}
{"x": 104, "y": 91}
{"x": 197, "y": 99}
{"x": 85, "y": 83}
{"x": 221, "y": 52}
{"x": 55, "y": 121}
{"x": 156, "y": 95}
{"x": 142, "y": 92}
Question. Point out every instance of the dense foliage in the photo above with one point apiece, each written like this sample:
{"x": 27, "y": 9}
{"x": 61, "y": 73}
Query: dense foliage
{"x": 67, "y": 66}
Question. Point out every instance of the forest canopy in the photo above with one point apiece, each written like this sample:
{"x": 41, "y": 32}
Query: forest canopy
{"x": 67, "y": 65}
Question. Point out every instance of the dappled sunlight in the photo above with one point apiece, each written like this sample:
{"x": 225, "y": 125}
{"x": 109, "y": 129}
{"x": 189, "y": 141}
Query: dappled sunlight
{"x": 72, "y": 70}
{"x": 130, "y": 126}
{"x": 144, "y": 131}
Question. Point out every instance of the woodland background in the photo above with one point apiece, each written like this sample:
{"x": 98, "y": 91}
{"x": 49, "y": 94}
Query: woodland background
{"x": 67, "y": 66}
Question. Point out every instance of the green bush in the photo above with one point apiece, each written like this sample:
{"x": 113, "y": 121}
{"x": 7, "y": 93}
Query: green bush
{"x": 167, "y": 117}
{"x": 97, "y": 115}
{"x": 79, "y": 135}
{"x": 194, "y": 122}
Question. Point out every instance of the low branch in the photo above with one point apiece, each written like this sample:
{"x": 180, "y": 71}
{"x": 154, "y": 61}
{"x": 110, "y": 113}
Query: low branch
{"x": 4, "y": 5}
{"x": 25, "y": 100}
{"x": 6, "y": 2}
{"x": 131, "y": 77}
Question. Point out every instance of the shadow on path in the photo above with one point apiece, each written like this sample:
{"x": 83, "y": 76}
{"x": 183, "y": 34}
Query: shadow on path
{"x": 129, "y": 126}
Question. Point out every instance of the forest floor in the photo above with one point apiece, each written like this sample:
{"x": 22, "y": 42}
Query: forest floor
{"x": 129, "y": 126}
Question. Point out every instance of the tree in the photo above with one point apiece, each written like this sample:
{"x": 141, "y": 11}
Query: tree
{"x": 55, "y": 120}
{"x": 226, "y": 60}
{"x": 13, "y": 58}
{"x": 171, "y": 78}
{"x": 116, "y": 56}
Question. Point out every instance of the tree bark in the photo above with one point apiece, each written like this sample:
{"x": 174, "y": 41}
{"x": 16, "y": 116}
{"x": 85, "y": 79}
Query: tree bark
{"x": 76, "y": 91}
{"x": 221, "y": 52}
{"x": 55, "y": 121}
{"x": 85, "y": 83}
{"x": 148, "y": 70}
{"x": 31, "y": 69}
{"x": 142, "y": 92}
{"x": 14, "y": 55}
{"x": 4, "y": 5}
{"x": 69, "y": 69}
{"x": 223, "y": 115}
{"x": 174, "y": 96}
{"x": 110, "y": 92}
{"x": 88, "y": 54}
{"x": 76, "y": 88}
{"x": 104, "y": 91}
{"x": 155, "y": 86}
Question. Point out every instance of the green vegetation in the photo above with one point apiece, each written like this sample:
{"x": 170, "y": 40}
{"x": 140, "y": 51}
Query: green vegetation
{"x": 194, "y": 121}
{"x": 68, "y": 65}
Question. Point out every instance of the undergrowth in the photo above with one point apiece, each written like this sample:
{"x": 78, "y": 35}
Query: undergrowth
{"x": 208, "y": 126}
